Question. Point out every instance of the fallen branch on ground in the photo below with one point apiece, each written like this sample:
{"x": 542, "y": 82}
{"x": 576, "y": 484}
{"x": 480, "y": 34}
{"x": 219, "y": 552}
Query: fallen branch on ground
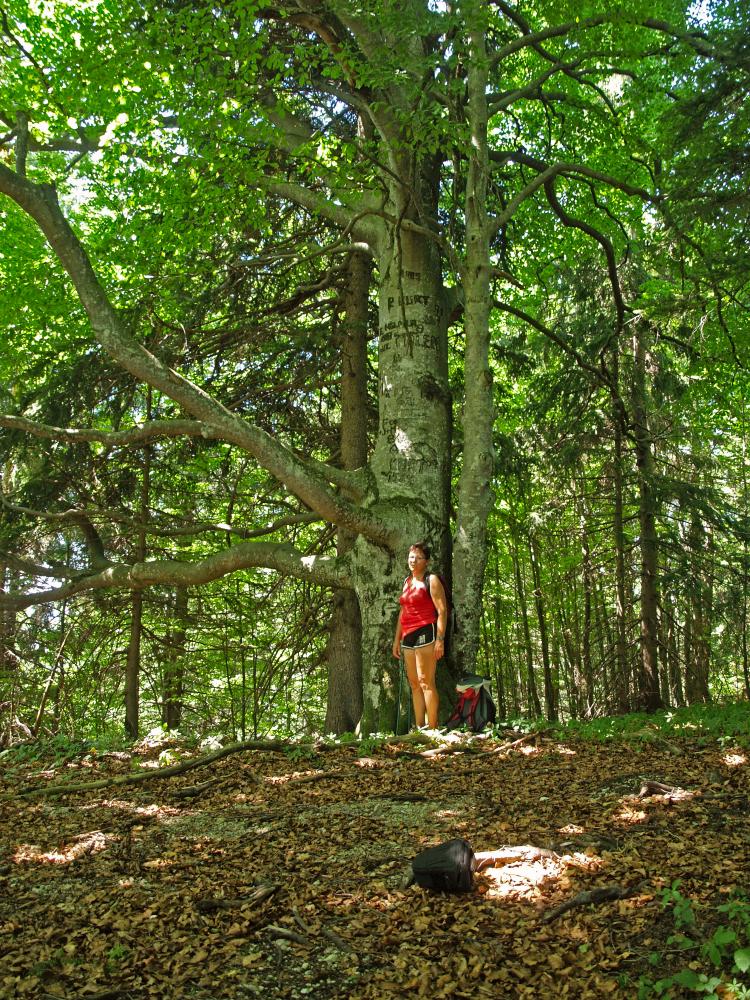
{"x": 603, "y": 894}
{"x": 673, "y": 792}
{"x": 189, "y": 765}
{"x": 287, "y": 935}
{"x": 509, "y": 855}
{"x": 262, "y": 893}
{"x": 193, "y": 791}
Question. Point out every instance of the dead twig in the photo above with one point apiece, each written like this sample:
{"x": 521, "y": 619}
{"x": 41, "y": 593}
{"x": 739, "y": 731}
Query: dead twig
{"x": 193, "y": 791}
{"x": 519, "y": 742}
{"x": 262, "y": 893}
{"x": 287, "y": 935}
{"x": 318, "y": 776}
{"x": 305, "y": 927}
{"x": 337, "y": 941}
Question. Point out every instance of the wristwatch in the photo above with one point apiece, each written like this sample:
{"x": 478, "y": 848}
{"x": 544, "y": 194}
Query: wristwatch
{"x": 440, "y": 638}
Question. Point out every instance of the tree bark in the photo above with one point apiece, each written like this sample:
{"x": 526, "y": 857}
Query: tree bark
{"x": 699, "y": 613}
{"x": 550, "y": 695}
{"x": 475, "y": 495}
{"x": 648, "y": 696}
{"x": 533, "y": 705}
{"x": 133, "y": 662}
{"x": 174, "y": 663}
{"x": 344, "y": 648}
{"x": 621, "y": 672}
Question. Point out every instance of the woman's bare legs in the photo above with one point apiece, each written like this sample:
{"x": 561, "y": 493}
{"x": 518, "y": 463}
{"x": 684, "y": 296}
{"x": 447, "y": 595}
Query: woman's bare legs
{"x": 420, "y": 672}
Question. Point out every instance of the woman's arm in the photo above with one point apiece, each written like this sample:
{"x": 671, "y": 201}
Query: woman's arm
{"x": 397, "y": 640}
{"x": 437, "y": 593}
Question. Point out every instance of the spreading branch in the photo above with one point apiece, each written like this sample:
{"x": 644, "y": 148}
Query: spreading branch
{"x": 600, "y": 238}
{"x": 40, "y": 202}
{"x": 322, "y": 570}
{"x": 138, "y": 435}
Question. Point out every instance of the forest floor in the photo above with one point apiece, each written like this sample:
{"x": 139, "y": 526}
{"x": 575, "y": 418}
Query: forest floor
{"x": 282, "y": 874}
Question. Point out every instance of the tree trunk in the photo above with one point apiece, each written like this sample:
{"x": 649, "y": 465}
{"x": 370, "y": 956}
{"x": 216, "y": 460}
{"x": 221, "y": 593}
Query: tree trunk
{"x": 411, "y": 461}
{"x": 174, "y": 664}
{"x": 588, "y": 596}
{"x": 699, "y": 613}
{"x": 649, "y": 698}
{"x": 344, "y": 649}
{"x": 621, "y": 673}
{"x": 550, "y": 699}
{"x": 133, "y": 663}
{"x": 475, "y": 496}
{"x": 533, "y": 705}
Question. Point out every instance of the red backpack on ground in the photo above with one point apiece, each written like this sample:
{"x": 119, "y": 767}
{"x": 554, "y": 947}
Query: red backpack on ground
{"x": 475, "y": 708}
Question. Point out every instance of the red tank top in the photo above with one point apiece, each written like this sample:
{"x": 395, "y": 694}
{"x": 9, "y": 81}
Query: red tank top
{"x": 417, "y": 608}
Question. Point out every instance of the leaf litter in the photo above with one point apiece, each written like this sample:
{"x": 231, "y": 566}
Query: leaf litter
{"x": 281, "y": 878}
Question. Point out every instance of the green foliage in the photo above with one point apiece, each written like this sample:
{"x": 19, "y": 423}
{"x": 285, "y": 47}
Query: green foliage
{"x": 728, "y": 723}
{"x": 233, "y": 287}
{"x": 724, "y": 946}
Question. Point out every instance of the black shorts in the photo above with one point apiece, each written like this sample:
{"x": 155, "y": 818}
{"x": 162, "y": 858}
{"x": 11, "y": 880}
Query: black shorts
{"x": 424, "y": 636}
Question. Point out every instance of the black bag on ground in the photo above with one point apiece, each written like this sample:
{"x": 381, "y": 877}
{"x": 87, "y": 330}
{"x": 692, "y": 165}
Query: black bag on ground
{"x": 475, "y": 708}
{"x": 449, "y": 866}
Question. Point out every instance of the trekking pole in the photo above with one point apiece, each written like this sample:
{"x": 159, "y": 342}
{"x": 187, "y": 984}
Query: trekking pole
{"x": 398, "y": 703}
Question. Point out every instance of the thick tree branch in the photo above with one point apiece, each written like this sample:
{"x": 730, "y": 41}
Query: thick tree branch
{"x": 565, "y": 345}
{"x": 53, "y": 571}
{"x": 362, "y": 225}
{"x": 40, "y": 202}
{"x": 322, "y": 570}
{"x": 156, "y": 529}
{"x": 92, "y": 538}
{"x": 600, "y": 238}
{"x": 549, "y": 173}
{"x": 353, "y": 482}
{"x": 499, "y": 102}
{"x": 138, "y": 435}
{"x": 693, "y": 39}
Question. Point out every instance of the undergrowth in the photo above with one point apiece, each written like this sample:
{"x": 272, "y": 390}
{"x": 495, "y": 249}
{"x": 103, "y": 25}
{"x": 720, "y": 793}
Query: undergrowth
{"x": 710, "y": 949}
{"x": 728, "y": 723}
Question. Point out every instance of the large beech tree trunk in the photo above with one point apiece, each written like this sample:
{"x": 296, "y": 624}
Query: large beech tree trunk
{"x": 410, "y": 464}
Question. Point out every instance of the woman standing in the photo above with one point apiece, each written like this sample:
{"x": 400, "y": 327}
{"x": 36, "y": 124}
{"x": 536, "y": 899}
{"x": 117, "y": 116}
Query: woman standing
{"x": 420, "y": 633}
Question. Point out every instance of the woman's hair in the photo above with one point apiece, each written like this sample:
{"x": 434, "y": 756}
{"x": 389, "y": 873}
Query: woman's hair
{"x": 423, "y": 547}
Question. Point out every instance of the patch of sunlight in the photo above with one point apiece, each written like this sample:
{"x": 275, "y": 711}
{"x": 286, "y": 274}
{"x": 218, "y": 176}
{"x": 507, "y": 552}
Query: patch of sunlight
{"x": 527, "y": 879}
{"x": 282, "y": 779}
{"x": 371, "y": 762}
{"x": 565, "y": 751}
{"x": 447, "y": 813}
{"x": 403, "y": 442}
{"x": 160, "y": 812}
{"x": 630, "y": 816}
{"x": 529, "y": 751}
{"x": 734, "y": 759}
{"x": 571, "y": 828}
{"x": 85, "y": 843}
